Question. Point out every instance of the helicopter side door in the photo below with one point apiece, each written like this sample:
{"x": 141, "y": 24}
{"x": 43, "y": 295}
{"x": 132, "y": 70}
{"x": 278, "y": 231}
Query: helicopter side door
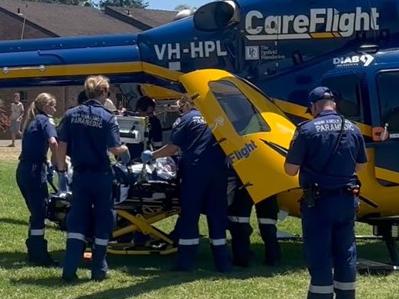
{"x": 252, "y": 131}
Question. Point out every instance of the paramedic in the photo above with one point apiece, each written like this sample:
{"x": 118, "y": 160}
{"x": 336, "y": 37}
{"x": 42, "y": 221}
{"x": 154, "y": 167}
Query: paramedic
{"x": 327, "y": 152}
{"x": 203, "y": 186}
{"x": 89, "y": 130}
{"x": 38, "y": 135}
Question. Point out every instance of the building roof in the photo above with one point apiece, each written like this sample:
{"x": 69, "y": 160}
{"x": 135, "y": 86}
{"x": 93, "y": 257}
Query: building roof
{"x": 66, "y": 20}
{"x": 150, "y": 18}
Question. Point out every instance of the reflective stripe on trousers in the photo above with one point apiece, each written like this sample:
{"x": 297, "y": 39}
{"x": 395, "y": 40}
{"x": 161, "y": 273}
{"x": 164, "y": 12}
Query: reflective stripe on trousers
{"x": 321, "y": 289}
{"x": 267, "y": 221}
{"x": 344, "y": 286}
{"x": 217, "y": 242}
{"x": 101, "y": 242}
{"x": 189, "y": 242}
{"x": 237, "y": 219}
{"x": 77, "y": 236}
{"x": 37, "y": 232}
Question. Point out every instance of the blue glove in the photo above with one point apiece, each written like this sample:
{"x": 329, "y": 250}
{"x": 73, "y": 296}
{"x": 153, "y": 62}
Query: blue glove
{"x": 147, "y": 156}
{"x": 62, "y": 182}
{"x": 125, "y": 157}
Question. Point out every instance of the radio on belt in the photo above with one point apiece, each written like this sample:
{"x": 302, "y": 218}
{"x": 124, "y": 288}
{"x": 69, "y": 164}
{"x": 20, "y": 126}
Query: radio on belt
{"x": 133, "y": 129}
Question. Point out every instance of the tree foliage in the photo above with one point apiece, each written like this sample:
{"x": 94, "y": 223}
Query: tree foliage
{"x": 67, "y": 2}
{"x": 182, "y": 7}
{"x": 100, "y": 3}
{"x": 124, "y": 3}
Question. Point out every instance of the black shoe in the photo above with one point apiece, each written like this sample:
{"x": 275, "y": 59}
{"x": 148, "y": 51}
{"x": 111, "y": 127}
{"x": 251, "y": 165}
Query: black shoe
{"x": 224, "y": 269}
{"x": 43, "y": 261}
{"x": 241, "y": 263}
{"x": 99, "y": 277}
{"x": 38, "y": 254}
{"x": 177, "y": 268}
{"x": 69, "y": 279}
{"x": 273, "y": 262}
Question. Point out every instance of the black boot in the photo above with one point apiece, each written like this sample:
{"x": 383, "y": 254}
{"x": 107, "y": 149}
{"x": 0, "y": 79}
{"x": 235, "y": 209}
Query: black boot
{"x": 186, "y": 256}
{"x": 240, "y": 243}
{"x": 349, "y": 294}
{"x": 272, "y": 247}
{"x": 74, "y": 251}
{"x": 38, "y": 254}
{"x": 99, "y": 263}
{"x": 221, "y": 258}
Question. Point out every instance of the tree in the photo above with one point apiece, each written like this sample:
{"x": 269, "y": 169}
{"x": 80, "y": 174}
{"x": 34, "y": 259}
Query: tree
{"x": 124, "y": 3}
{"x": 67, "y": 2}
{"x": 100, "y": 3}
{"x": 183, "y": 7}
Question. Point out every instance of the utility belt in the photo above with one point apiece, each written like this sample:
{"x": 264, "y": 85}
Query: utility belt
{"x": 313, "y": 193}
{"x": 92, "y": 169}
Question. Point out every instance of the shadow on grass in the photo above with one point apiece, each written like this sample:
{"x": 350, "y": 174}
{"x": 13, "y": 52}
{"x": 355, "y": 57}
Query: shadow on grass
{"x": 160, "y": 275}
{"x": 54, "y": 282}
{"x": 157, "y": 275}
{"x": 14, "y": 221}
{"x": 18, "y": 259}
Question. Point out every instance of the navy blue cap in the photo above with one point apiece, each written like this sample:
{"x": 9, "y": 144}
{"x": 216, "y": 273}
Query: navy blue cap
{"x": 320, "y": 93}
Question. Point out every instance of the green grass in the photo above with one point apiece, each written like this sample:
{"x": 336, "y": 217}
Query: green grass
{"x": 150, "y": 277}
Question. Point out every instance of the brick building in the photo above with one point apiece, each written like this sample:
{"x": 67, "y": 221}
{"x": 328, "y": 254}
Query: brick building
{"x": 25, "y": 20}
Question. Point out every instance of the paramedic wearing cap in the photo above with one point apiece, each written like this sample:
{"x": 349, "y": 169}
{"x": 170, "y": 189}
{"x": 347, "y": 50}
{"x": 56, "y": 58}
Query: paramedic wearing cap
{"x": 328, "y": 151}
{"x": 89, "y": 131}
{"x": 203, "y": 186}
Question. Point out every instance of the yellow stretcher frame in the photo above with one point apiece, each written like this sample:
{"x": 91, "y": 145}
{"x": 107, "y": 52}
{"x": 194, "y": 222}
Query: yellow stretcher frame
{"x": 138, "y": 223}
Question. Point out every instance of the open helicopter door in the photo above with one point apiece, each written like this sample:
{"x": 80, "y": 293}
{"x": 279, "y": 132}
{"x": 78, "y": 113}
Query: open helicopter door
{"x": 252, "y": 131}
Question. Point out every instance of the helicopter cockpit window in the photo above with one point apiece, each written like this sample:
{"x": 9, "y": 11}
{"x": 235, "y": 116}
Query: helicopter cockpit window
{"x": 347, "y": 93}
{"x": 240, "y": 111}
{"x": 216, "y": 15}
{"x": 389, "y": 99}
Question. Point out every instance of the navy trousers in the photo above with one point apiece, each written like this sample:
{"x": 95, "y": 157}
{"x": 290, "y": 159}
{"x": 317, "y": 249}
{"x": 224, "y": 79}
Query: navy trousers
{"x": 203, "y": 189}
{"x": 329, "y": 243}
{"x": 239, "y": 213}
{"x": 91, "y": 193}
{"x": 31, "y": 180}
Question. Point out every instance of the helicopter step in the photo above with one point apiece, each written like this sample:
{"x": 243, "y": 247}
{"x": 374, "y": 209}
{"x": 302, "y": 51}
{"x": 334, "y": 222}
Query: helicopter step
{"x": 388, "y": 229}
{"x": 369, "y": 267}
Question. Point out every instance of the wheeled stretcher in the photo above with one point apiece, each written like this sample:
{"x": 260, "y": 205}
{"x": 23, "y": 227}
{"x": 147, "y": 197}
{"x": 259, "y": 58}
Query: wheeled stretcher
{"x": 143, "y": 195}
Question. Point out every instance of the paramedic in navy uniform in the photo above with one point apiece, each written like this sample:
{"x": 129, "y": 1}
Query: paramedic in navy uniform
{"x": 203, "y": 186}
{"x": 38, "y": 135}
{"x": 327, "y": 157}
{"x": 89, "y": 131}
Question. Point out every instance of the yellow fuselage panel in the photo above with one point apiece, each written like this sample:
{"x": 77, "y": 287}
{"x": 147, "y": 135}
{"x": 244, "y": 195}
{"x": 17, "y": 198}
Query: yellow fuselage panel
{"x": 258, "y": 158}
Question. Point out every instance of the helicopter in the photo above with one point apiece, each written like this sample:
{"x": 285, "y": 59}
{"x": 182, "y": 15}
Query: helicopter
{"x": 266, "y": 55}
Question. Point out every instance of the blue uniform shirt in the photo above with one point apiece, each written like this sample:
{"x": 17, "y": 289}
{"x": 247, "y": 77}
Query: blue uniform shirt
{"x": 89, "y": 130}
{"x": 35, "y": 139}
{"x": 314, "y": 143}
{"x": 191, "y": 133}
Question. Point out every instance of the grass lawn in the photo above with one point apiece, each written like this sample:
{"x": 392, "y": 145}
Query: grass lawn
{"x": 150, "y": 277}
